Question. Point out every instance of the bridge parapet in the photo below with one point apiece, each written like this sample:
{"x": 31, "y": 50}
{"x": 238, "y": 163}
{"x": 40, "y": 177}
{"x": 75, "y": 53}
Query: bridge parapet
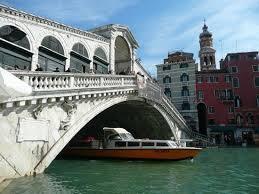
{"x": 52, "y": 81}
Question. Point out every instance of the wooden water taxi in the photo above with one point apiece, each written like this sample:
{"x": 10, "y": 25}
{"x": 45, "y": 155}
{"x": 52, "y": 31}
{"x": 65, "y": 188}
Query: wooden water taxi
{"x": 118, "y": 143}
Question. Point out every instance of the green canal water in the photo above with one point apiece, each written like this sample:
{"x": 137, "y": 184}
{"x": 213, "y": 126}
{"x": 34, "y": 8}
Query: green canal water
{"x": 229, "y": 170}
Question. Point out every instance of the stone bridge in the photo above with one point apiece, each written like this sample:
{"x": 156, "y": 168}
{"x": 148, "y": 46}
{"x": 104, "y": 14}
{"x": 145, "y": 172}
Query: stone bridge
{"x": 100, "y": 82}
{"x": 34, "y": 129}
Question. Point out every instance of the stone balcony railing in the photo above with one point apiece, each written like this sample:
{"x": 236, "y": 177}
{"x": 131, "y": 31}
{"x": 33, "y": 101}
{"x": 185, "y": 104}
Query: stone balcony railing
{"x": 53, "y": 81}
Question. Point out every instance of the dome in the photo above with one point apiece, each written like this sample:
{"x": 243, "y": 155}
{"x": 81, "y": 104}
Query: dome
{"x": 205, "y": 32}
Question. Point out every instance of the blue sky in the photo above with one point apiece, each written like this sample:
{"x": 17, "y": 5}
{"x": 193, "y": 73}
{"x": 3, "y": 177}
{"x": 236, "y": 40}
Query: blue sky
{"x": 160, "y": 26}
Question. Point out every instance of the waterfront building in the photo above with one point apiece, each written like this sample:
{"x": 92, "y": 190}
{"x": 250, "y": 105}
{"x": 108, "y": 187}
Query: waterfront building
{"x": 227, "y": 98}
{"x": 214, "y": 93}
{"x": 244, "y": 69}
{"x": 176, "y": 76}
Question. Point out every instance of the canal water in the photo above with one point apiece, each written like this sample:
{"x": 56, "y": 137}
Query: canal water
{"x": 228, "y": 170}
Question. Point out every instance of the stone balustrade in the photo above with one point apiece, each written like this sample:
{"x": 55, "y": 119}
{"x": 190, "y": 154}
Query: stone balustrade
{"x": 53, "y": 81}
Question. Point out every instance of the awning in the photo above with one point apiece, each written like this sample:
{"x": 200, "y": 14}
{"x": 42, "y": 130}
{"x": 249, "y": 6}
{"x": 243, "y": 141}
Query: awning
{"x": 11, "y": 86}
{"x": 222, "y": 129}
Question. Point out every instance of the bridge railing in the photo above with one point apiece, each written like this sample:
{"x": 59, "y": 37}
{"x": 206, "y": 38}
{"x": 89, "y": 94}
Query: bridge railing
{"x": 50, "y": 81}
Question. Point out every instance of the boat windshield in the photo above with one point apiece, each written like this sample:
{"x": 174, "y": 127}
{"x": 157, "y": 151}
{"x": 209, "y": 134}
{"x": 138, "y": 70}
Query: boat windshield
{"x": 126, "y": 136}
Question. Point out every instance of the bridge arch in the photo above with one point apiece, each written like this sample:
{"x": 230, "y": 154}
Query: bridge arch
{"x": 100, "y": 61}
{"x": 51, "y": 55}
{"x": 122, "y": 56}
{"x": 79, "y": 59}
{"x": 86, "y": 118}
{"x": 15, "y": 49}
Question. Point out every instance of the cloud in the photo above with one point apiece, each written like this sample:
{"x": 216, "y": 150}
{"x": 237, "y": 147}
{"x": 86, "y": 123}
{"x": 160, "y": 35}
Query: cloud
{"x": 74, "y": 12}
{"x": 229, "y": 21}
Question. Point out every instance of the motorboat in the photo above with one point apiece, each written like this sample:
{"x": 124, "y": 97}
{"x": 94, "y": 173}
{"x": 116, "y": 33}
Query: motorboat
{"x": 118, "y": 143}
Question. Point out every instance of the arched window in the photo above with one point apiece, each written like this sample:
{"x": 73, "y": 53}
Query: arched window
{"x": 167, "y": 79}
{"x": 239, "y": 119}
{"x": 100, "y": 61}
{"x": 51, "y": 55}
{"x": 79, "y": 61}
{"x": 168, "y": 92}
{"x": 235, "y": 82}
{"x": 250, "y": 118}
{"x": 184, "y": 77}
{"x": 205, "y": 61}
{"x": 53, "y": 44}
{"x": 14, "y": 48}
{"x": 211, "y": 60}
{"x": 185, "y": 91}
{"x": 237, "y": 102}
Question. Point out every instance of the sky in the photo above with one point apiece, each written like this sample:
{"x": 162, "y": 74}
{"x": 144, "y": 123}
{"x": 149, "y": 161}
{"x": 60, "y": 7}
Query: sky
{"x": 160, "y": 26}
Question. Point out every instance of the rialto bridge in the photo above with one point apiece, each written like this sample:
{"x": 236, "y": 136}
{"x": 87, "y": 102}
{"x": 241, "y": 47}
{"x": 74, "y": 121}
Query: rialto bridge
{"x": 99, "y": 83}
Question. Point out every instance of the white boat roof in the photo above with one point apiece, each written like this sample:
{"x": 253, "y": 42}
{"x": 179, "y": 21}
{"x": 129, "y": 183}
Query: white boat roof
{"x": 117, "y": 130}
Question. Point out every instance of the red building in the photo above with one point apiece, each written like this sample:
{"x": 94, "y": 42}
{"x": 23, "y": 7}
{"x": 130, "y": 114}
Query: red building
{"x": 244, "y": 70}
{"x": 227, "y": 98}
{"x": 214, "y": 99}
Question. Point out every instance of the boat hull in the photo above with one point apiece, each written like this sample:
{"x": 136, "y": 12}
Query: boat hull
{"x": 138, "y": 154}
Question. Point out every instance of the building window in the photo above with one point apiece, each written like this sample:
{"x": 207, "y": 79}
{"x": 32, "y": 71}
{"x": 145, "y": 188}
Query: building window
{"x": 228, "y": 79}
{"x": 185, "y": 91}
{"x": 199, "y": 79}
{"x": 186, "y": 106}
{"x": 256, "y": 68}
{"x": 216, "y": 79}
{"x": 250, "y": 118}
{"x": 184, "y": 77}
{"x": 237, "y": 102}
{"x": 257, "y": 100}
{"x": 234, "y": 69}
{"x": 200, "y": 94}
{"x": 256, "y": 81}
{"x": 229, "y": 94}
{"x": 167, "y": 79}
{"x": 211, "y": 109}
{"x": 183, "y": 65}
{"x": 166, "y": 67}
{"x": 231, "y": 121}
{"x": 231, "y": 109}
{"x": 168, "y": 92}
{"x": 235, "y": 82}
{"x": 239, "y": 119}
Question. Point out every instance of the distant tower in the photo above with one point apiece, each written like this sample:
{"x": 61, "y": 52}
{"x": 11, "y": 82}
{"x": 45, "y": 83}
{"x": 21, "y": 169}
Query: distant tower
{"x": 207, "y": 52}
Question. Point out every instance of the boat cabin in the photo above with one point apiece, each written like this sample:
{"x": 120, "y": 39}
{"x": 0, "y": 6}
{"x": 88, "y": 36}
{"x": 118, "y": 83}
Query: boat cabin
{"x": 121, "y": 138}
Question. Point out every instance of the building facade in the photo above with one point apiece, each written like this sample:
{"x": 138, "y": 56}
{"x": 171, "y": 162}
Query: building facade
{"x": 227, "y": 98}
{"x": 176, "y": 76}
{"x": 243, "y": 68}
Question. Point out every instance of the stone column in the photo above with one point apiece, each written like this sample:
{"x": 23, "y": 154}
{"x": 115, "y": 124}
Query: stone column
{"x": 112, "y": 54}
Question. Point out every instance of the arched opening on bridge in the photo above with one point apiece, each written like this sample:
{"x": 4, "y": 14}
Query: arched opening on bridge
{"x": 51, "y": 55}
{"x": 203, "y": 117}
{"x": 79, "y": 59}
{"x": 100, "y": 61}
{"x": 14, "y": 49}
{"x": 122, "y": 56}
{"x": 139, "y": 118}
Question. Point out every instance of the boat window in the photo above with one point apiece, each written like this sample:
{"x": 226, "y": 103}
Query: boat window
{"x": 133, "y": 143}
{"x": 161, "y": 144}
{"x": 120, "y": 144}
{"x": 127, "y": 136}
{"x": 147, "y": 143}
{"x": 114, "y": 137}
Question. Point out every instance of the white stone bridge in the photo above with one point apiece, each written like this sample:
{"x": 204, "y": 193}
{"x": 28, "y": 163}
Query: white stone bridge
{"x": 34, "y": 129}
{"x": 99, "y": 71}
